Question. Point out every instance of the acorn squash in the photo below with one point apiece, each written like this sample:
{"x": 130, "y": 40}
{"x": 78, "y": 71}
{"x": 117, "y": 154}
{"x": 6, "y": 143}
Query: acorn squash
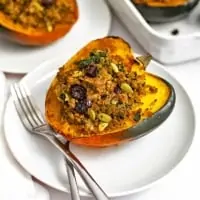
{"x": 157, "y": 11}
{"x": 37, "y": 22}
{"x": 103, "y": 95}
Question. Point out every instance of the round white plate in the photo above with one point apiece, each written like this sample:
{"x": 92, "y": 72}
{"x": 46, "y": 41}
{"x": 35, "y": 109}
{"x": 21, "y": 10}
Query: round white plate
{"x": 120, "y": 170}
{"x": 94, "y": 22}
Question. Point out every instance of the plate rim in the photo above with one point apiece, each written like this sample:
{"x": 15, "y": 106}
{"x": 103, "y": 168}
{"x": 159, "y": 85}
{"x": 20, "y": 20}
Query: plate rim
{"x": 109, "y": 23}
{"x": 44, "y": 65}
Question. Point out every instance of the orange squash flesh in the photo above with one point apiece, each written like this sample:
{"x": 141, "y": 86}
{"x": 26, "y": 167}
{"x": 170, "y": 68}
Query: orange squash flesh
{"x": 120, "y": 134}
{"x": 157, "y": 3}
{"x": 38, "y": 37}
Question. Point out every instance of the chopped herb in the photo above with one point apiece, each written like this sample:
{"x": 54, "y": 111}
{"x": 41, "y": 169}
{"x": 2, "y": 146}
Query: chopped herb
{"x": 102, "y": 54}
{"x": 99, "y": 53}
{"x": 63, "y": 97}
{"x": 120, "y": 67}
{"x": 84, "y": 63}
{"x": 96, "y": 56}
{"x": 96, "y": 59}
{"x": 137, "y": 117}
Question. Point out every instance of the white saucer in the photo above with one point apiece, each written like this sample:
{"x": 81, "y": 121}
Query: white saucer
{"x": 94, "y": 22}
{"x": 120, "y": 170}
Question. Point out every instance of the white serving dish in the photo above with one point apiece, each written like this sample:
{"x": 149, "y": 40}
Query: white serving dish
{"x": 157, "y": 39}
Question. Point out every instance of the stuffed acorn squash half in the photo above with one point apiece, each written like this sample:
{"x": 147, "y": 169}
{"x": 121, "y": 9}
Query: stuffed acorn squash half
{"x": 103, "y": 95}
{"x": 37, "y": 22}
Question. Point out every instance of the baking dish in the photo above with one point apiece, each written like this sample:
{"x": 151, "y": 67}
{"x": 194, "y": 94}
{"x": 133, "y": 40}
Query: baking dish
{"x": 168, "y": 43}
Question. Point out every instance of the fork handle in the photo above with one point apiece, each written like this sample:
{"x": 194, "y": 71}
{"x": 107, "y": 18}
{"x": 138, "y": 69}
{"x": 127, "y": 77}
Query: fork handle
{"x": 72, "y": 181}
{"x": 96, "y": 190}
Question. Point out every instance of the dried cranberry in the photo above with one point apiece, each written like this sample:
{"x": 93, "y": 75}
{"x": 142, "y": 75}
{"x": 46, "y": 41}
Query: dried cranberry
{"x": 117, "y": 89}
{"x": 81, "y": 107}
{"x": 78, "y": 92}
{"x": 47, "y": 3}
{"x": 91, "y": 71}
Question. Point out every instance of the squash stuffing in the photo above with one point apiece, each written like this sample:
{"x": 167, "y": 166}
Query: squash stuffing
{"x": 38, "y": 22}
{"x": 101, "y": 92}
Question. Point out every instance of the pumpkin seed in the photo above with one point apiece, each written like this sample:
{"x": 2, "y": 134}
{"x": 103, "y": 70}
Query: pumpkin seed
{"x": 49, "y": 26}
{"x": 104, "y": 117}
{"x": 66, "y": 97}
{"x": 126, "y": 88}
{"x": 114, "y": 102}
{"x": 114, "y": 67}
{"x": 92, "y": 114}
{"x": 71, "y": 116}
{"x": 77, "y": 74}
{"x": 63, "y": 97}
{"x": 102, "y": 126}
{"x": 38, "y": 7}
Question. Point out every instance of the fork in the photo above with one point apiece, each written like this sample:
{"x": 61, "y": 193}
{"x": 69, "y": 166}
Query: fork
{"x": 72, "y": 179}
{"x": 70, "y": 170}
{"x": 34, "y": 122}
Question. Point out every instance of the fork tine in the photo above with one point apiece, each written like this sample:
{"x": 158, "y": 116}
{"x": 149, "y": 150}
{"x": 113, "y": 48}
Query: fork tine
{"x": 32, "y": 106}
{"x": 21, "y": 110}
{"x": 24, "y": 100}
{"x": 37, "y": 111}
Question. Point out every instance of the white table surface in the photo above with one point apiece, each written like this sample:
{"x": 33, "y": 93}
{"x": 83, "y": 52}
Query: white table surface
{"x": 183, "y": 183}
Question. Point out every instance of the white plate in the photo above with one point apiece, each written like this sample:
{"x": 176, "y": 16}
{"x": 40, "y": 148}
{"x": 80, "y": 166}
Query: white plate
{"x": 94, "y": 22}
{"x": 120, "y": 170}
{"x": 21, "y": 184}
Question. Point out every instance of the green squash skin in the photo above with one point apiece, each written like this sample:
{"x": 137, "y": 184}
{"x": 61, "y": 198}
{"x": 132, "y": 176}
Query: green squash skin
{"x": 148, "y": 125}
{"x": 166, "y": 14}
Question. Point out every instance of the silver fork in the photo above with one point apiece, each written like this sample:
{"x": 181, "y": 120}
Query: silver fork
{"x": 70, "y": 170}
{"x": 72, "y": 179}
{"x": 34, "y": 122}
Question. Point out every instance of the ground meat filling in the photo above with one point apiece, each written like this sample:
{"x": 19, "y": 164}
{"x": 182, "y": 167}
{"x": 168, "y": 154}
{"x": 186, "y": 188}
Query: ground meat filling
{"x": 99, "y": 93}
{"x": 44, "y": 14}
